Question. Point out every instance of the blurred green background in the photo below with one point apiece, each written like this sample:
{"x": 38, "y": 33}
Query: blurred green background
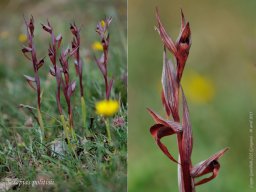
{"x": 219, "y": 82}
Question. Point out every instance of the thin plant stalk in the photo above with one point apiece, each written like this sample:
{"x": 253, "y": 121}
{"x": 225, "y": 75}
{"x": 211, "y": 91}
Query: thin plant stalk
{"x": 83, "y": 107}
{"x": 79, "y": 71}
{"x": 34, "y": 82}
{"x": 108, "y": 130}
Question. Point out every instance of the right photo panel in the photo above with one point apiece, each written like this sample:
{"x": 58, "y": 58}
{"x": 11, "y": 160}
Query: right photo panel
{"x": 192, "y": 96}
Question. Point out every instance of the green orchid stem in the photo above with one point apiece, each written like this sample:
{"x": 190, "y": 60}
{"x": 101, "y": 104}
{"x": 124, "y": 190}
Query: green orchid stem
{"x": 108, "y": 130}
{"x": 83, "y": 105}
{"x": 72, "y": 133}
{"x": 40, "y": 121}
{"x": 64, "y": 124}
{"x": 69, "y": 132}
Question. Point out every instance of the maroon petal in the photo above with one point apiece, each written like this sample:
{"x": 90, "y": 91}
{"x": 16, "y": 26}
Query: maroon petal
{"x": 159, "y": 131}
{"x": 52, "y": 71}
{"x": 31, "y": 26}
{"x": 164, "y": 36}
{"x": 58, "y": 75}
{"x": 73, "y": 51}
{"x": 31, "y": 81}
{"x": 105, "y": 42}
{"x": 185, "y": 36}
{"x": 25, "y": 51}
{"x": 47, "y": 28}
{"x": 214, "y": 166}
{"x": 102, "y": 29}
{"x": 183, "y": 44}
{"x": 71, "y": 88}
{"x": 58, "y": 40}
{"x": 211, "y": 165}
{"x": 74, "y": 30}
{"x": 51, "y": 54}
{"x": 40, "y": 63}
{"x": 187, "y": 142}
{"x": 169, "y": 84}
{"x": 166, "y": 106}
{"x": 66, "y": 52}
{"x": 159, "y": 120}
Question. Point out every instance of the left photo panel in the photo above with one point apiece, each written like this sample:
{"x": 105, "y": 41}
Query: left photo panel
{"x": 63, "y": 97}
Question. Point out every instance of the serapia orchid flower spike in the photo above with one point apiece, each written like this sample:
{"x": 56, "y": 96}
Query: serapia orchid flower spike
{"x": 52, "y": 53}
{"x": 62, "y": 77}
{"x": 109, "y": 107}
{"x": 34, "y": 82}
{"x": 102, "y": 62}
{"x": 79, "y": 70}
{"x": 171, "y": 88}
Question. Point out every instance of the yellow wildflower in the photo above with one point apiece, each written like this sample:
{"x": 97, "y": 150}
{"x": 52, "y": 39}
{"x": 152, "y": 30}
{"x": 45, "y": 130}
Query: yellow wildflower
{"x": 103, "y": 24}
{"x": 22, "y": 38}
{"x": 198, "y": 88}
{"x": 97, "y": 46}
{"x": 107, "y": 107}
